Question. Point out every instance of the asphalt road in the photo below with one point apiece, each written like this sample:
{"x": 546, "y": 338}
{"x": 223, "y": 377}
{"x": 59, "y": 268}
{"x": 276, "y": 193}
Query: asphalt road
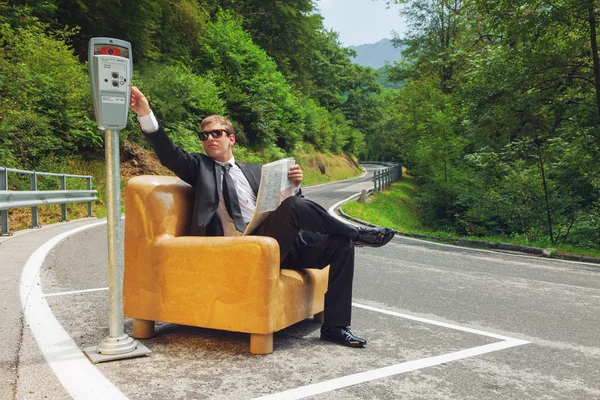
{"x": 442, "y": 322}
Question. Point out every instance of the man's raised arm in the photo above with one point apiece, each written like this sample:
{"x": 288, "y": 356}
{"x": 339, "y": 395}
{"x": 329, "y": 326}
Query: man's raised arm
{"x": 183, "y": 164}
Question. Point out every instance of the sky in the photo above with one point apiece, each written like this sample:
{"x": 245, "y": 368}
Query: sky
{"x": 361, "y": 21}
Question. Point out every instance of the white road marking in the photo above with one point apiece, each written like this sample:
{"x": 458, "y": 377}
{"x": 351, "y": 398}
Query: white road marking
{"x": 76, "y": 373}
{"x": 397, "y": 369}
{"x": 539, "y": 258}
{"x": 74, "y": 292}
{"x": 432, "y": 322}
{"x": 331, "y": 210}
{"x": 367, "y": 376}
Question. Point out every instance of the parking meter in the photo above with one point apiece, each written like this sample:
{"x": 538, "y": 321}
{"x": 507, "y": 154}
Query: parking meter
{"x": 110, "y": 67}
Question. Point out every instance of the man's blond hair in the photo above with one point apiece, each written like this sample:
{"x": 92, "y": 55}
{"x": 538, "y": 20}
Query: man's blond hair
{"x": 218, "y": 119}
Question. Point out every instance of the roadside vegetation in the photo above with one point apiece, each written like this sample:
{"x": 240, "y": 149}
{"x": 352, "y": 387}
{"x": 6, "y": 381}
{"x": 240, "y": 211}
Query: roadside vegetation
{"x": 499, "y": 119}
{"x": 397, "y": 207}
{"x": 494, "y": 108}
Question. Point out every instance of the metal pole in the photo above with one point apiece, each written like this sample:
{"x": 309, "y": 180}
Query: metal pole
{"x": 4, "y": 213}
{"x": 115, "y": 232}
{"x": 34, "y": 210}
{"x": 89, "y": 187}
{"x": 117, "y": 345}
{"x": 63, "y": 207}
{"x": 389, "y": 177}
{"x": 375, "y": 181}
{"x": 386, "y": 181}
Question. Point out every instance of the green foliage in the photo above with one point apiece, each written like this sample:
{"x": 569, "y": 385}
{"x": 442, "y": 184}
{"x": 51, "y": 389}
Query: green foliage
{"x": 499, "y": 117}
{"x": 345, "y": 137}
{"x": 330, "y": 68}
{"x": 46, "y": 104}
{"x": 517, "y": 202}
{"x": 284, "y": 30}
{"x": 383, "y": 79}
{"x": 497, "y": 114}
{"x": 317, "y": 124}
{"x": 261, "y": 156}
{"x": 180, "y": 100}
{"x": 328, "y": 131}
{"x": 271, "y": 68}
{"x": 257, "y": 95}
{"x": 180, "y": 25}
{"x": 395, "y": 207}
{"x": 104, "y": 18}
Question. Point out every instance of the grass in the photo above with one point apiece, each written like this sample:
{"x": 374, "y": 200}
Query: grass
{"x": 322, "y": 168}
{"x": 395, "y": 208}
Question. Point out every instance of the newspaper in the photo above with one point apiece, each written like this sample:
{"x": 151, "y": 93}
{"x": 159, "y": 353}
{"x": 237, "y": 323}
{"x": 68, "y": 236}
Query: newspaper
{"x": 274, "y": 188}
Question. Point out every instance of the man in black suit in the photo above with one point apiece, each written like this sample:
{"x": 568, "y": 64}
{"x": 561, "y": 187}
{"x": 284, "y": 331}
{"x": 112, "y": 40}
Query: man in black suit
{"x": 225, "y": 199}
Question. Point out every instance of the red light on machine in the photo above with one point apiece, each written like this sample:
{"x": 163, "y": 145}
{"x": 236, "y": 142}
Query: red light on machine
{"x": 111, "y": 51}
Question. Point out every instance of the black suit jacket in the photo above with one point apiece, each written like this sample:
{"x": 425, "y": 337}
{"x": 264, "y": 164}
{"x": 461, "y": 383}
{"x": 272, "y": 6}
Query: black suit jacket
{"x": 201, "y": 173}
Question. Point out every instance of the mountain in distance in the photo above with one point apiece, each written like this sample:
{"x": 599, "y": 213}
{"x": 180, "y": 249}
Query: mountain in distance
{"x": 375, "y": 55}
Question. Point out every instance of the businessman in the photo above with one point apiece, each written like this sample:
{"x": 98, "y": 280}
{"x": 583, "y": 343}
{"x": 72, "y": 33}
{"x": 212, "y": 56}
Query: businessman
{"x": 225, "y": 199}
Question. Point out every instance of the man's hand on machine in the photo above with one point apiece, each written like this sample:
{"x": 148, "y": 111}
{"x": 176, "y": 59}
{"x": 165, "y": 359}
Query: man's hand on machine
{"x": 138, "y": 102}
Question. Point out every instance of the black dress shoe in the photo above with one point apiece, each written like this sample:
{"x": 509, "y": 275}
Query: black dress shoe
{"x": 374, "y": 237}
{"x": 342, "y": 335}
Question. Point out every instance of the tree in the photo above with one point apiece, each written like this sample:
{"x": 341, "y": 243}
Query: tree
{"x": 523, "y": 82}
{"x": 45, "y": 104}
{"x": 256, "y": 93}
{"x": 434, "y": 41}
{"x": 180, "y": 100}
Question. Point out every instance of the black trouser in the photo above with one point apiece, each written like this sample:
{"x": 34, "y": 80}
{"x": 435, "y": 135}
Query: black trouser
{"x": 309, "y": 237}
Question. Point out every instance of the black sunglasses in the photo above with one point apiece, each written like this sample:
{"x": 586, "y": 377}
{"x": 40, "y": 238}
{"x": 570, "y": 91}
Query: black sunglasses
{"x": 215, "y": 133}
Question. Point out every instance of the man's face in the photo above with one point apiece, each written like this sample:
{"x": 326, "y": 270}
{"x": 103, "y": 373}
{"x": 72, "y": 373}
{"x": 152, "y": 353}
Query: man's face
{"x": 218, "y": 149}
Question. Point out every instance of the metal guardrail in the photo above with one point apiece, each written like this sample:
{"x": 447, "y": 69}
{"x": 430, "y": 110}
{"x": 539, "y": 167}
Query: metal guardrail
{"x": 383, "y": 178}
{"x": 35, "y": 198}
{"x": 386, "y": 163}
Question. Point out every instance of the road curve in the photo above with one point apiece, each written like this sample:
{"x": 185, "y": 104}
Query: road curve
{"x": 442, "y": 322}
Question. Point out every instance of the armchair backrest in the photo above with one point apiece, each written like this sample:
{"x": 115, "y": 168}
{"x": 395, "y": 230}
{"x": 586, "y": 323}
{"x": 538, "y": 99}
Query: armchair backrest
{"x": 154, "y": 206}
{"x": 158, "y": 205}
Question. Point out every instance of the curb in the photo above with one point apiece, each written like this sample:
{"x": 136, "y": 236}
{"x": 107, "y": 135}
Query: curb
{"x": 536, "y": 251}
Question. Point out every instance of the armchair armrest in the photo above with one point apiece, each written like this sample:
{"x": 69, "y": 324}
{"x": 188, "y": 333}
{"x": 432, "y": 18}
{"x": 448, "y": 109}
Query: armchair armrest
{"x": 233, "y": 266}
{"x": 231, "y": 282}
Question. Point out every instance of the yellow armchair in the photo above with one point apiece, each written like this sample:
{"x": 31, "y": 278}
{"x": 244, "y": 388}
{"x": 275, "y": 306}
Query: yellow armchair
{"x": 227, "y": 283}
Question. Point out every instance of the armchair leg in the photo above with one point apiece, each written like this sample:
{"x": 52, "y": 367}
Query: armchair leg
{"x": 319, "y": 317}
{"x": 261, "y": 344}
{"x": 143, "y": 329}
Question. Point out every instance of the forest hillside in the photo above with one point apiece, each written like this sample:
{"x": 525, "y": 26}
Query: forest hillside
{"x": 495, "y": 106}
